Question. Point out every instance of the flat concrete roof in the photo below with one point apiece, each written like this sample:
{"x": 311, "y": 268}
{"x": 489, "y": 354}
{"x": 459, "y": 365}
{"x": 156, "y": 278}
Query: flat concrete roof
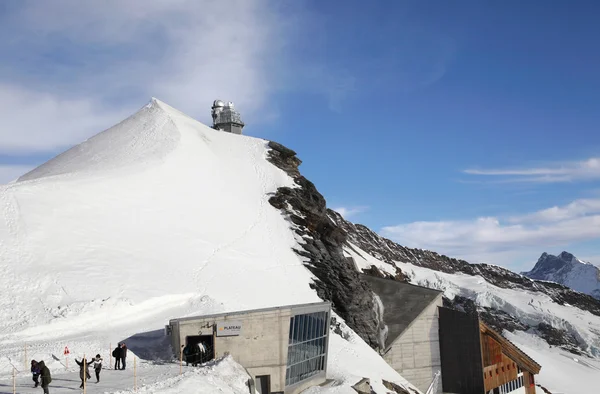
{"x": 274, "y": 308}
{"x": 402, "y": 303}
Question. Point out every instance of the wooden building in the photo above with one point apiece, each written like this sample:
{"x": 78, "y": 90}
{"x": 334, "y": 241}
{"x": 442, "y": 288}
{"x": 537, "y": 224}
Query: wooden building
{"x": 478, "y": 360}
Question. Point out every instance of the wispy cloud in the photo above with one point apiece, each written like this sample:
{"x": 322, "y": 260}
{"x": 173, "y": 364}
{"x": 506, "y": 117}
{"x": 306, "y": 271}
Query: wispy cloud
{"x": 83, "y": 60}
{"x": 10, "y": 173}
{"x": 585, "y": 170}
{"x": 484, "y": 237}
{"x": 348, "y": 212}
{"x": 79, "y": 67}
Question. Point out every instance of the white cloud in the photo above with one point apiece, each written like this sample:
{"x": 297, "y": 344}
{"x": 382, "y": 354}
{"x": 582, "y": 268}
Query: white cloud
{"x": 86, "y": 65}
{"x": 486, "y": 238}
{"x": 348, "y": 212}
{"x": 34, "y": 121}
{"x": 559, "y": 172}
{"x": 575, "y": 209}
{"x": 9, "y": 173}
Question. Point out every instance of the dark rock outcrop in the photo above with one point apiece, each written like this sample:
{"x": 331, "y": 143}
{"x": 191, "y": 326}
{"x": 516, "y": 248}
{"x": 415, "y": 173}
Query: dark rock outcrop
{"x": 558, "y": 337}
{"x": 325, "y": 233}
{"x": 337, "y": 280}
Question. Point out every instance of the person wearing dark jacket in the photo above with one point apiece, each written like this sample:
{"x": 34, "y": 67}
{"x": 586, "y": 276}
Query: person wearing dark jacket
{"x": 187, "y": 354}
{"x": 84, "y": 366}
{"x": 123, "y": 354}
{"x": 46, "y": 377}
{"x": 97, "y": 366}
{"x": 35, "y": 371}
{"x": 117, "y": 354}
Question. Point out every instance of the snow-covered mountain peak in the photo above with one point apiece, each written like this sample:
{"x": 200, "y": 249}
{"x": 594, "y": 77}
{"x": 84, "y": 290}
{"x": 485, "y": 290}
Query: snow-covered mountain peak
{"x": 142, "y": 141}
{"x": 567, "y": 270}
{"x": 154, "y": 218}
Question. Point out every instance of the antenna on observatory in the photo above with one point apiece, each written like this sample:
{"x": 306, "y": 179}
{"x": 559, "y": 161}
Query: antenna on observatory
{"x": 226, "y": 118}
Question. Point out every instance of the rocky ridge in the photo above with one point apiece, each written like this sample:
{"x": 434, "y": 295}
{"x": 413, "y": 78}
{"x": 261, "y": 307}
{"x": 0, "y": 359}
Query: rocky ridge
{"x": 324, "y": 233}
{"x": 322, "y": 241}
{"x": 388, "y": 251}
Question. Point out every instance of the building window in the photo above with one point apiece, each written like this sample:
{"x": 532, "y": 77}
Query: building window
{"x": 306, "y": 347}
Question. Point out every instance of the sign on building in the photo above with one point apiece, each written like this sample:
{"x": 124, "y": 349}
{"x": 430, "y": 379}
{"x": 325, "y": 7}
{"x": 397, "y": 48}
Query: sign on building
{"x": 229, "y": 328}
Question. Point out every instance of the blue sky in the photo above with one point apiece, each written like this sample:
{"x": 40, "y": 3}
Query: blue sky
{"x": 466, "y": 127}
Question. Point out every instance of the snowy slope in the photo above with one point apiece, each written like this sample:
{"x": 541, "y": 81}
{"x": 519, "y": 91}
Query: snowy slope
{"x": 157, "y": 217}
{"x": 558, "y": 366}
{"x": 567, "y": 270}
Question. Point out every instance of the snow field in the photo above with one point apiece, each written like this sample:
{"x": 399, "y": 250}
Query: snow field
{"x": 156, "y": 218}
{"x": 222, "y": 376}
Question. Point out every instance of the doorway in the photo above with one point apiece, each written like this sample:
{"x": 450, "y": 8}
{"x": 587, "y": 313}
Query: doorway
{"x": 208, "y": 343}
{"x": 263, "y": 384}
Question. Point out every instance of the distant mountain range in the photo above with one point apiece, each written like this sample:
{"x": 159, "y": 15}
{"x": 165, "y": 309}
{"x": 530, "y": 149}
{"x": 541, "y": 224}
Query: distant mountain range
{"x": 567, "y": 270}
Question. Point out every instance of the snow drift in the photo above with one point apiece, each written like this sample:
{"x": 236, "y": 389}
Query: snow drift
{"x": 157, "y": 217}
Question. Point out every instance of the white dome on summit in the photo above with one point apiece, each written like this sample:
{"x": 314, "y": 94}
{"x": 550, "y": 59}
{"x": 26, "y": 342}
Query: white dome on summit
{"x": 218, "y": 103}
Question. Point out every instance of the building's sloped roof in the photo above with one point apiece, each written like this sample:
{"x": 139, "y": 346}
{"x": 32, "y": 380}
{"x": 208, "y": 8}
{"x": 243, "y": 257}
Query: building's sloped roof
{"x": 511, "y": 350}
{"x": 402, "y": 303}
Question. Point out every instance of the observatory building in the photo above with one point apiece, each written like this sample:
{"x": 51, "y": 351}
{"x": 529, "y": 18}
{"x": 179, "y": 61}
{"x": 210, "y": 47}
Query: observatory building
{"x": 226, "y": 118}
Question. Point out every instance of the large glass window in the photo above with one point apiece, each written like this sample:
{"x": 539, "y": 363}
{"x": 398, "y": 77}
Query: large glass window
{"x": 307, "y": 346}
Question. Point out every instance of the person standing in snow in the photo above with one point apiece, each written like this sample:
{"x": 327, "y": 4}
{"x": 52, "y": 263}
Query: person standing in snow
{"x": 117, "y": 355}
{"x": 84, "y": 366}
{"x": 201, "y": 349}
{"x": 97, "y": 366}
{"x": 123, "y": 354}
{"x": 186, "y": 354}
{"x": 46, "y": 377}
{"x": 35, "y": 371}
{"x": 195, "y": 355}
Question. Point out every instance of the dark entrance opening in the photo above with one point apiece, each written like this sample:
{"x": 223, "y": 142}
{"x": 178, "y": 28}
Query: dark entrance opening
{"x": 206, "y": 342}
{"x": 263, "y": 384}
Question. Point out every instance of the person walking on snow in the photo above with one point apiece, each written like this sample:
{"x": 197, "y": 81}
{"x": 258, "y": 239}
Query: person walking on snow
{"x": 83, "y": 368}
{"x": 46, "y": 377}
{"x": 35, "y": 370}
{"x": 97, "y": 366}
{"x": 117, "y": 355}
{"x": 123, "y": 354}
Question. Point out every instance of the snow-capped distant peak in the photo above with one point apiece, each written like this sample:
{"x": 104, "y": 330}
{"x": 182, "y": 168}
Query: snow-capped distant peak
{"x": 567, "y": 270}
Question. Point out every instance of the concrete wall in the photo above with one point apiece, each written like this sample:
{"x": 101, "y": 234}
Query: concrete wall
{"x": 415, "y": 354}
{"x": 262, "y": 346}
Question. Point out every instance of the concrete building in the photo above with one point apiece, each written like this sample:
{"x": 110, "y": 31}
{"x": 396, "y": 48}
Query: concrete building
{"x": 226, "y": 118}
{"x": 283, "y": 348}
{"x": 412, "y": 344}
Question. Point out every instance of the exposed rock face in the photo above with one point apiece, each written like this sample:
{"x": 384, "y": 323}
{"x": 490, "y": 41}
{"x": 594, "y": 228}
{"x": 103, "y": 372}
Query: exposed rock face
{"x": 567, "y": 270}
{"x": 338, "y": 281}
{"x": 557, "y": 337}
{"x": 324, "y": 233}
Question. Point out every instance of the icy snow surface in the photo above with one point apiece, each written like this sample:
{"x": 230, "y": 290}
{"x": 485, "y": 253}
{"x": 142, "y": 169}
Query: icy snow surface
{"x": 157, "y": 217}
{"x": 531, "y": 308}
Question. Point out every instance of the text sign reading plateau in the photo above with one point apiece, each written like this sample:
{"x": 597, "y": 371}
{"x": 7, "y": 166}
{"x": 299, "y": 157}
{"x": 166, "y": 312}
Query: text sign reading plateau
{"x": 229, "y": 328}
